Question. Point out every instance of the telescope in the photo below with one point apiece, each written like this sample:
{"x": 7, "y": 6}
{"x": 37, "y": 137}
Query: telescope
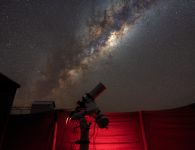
{"x": 88, "y": 107}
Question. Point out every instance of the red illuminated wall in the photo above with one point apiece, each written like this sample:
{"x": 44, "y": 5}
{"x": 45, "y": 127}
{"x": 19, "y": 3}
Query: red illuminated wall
{"x": 171, "y": 129}
{"x": 150, "y": 130}
{"x": 122, "y": 133}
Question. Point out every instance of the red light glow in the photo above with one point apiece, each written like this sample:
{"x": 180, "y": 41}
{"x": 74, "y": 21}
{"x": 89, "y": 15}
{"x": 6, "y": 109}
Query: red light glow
{"x": 55, "y": 136}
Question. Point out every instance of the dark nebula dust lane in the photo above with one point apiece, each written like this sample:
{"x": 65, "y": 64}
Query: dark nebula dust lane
{"x": 117, "y": 20}
{"x": 59, "y": 50}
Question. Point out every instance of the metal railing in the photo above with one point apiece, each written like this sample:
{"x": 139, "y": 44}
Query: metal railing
{"x": 20, "y": 110}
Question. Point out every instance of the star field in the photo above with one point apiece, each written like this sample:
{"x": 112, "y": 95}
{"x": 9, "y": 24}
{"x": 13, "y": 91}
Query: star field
{"x": 143, "y": 51}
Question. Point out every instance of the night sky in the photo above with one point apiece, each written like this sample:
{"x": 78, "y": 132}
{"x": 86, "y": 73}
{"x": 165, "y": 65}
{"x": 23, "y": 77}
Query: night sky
{"x": 142, "y": 50}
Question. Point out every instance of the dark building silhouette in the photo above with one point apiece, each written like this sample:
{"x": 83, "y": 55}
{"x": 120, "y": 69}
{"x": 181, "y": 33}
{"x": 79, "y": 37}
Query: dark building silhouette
{"x": 7, "y": 92}
{"x": 30, "y": 131}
